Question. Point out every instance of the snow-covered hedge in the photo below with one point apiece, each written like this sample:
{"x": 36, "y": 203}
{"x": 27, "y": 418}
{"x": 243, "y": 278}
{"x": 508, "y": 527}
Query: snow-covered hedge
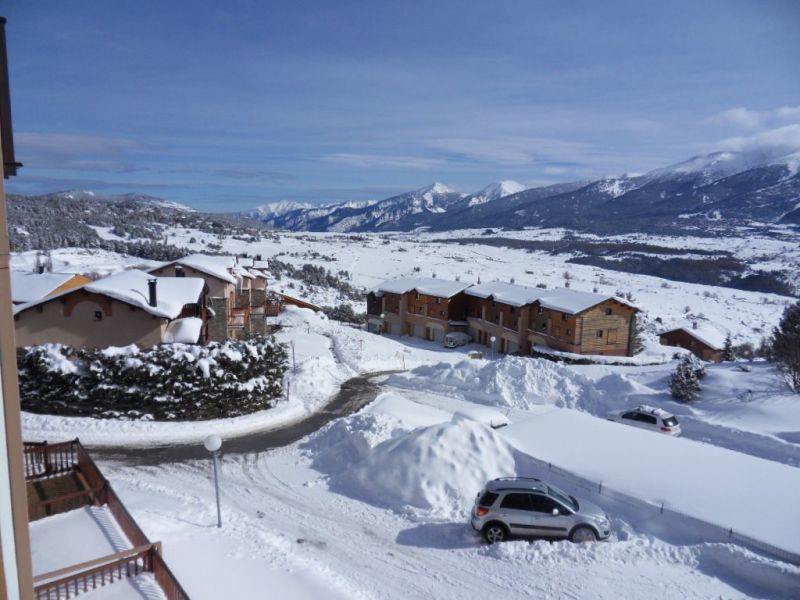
{"x": 165, "y": 383}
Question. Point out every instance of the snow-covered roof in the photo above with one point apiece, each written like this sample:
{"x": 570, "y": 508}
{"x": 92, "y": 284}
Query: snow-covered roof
{"x": 183, "y": 331}
{"x": 243, "y": 261}
{"x": 573, "y": 301}
{"x": 216, "y": 266}
{"x": 441, "y": 288}
{"x": 242, "y": 272}
{"x": 507, "y": 293}
{"x": 257, "y": 273}
{"x": 29, "y": 287}
{"x": 131, "y": 287}
{"x": 704, "y": 332}
{"x": 560, "y": 299}
{"x": 260, "y": 264}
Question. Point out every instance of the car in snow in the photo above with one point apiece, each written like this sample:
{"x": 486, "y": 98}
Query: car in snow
{"x": 529, "y": 507}
{"x": 647, "y": 417}
{"x": 455, "y": 339}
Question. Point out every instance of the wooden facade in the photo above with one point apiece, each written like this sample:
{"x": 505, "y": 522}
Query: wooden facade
{"x": 682, "y": 338}
{"x": 414, "y": 314}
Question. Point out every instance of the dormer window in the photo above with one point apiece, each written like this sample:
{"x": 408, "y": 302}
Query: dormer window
{"x": 608, "y": 311}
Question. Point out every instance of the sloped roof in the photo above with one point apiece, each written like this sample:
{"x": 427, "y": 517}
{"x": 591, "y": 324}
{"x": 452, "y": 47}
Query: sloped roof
{"x": 216, "y": 266}
{"x": 29, "y": 286}
{"x": 131, "y": 287}
{"x": 430, "y": 286}
{"x": 183, "y": 331}
{"x": 705, "y": 332}
{"x": 573, "y": 301}
{"x": 507, "y": 293}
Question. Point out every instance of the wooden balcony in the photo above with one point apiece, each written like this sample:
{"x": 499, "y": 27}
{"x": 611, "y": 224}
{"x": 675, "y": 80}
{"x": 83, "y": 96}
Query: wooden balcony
{"x": 63, "y": 477}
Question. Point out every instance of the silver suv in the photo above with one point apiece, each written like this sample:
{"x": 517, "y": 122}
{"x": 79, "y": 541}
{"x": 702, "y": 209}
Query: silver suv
{"x": 647, "y": 417}
{"x": 523, "y": 506}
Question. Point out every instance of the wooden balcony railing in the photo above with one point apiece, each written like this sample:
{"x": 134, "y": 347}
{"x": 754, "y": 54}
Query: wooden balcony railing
{"x": 47, "y": 461}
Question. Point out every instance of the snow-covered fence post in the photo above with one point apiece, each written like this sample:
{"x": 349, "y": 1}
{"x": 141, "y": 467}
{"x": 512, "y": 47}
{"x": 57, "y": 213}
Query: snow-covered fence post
{"x": 294, "y": 364}
{"x": 600, "y": 488}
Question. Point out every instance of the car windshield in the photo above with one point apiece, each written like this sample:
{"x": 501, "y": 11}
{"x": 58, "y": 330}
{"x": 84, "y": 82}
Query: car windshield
{"x": 563, "y": 497}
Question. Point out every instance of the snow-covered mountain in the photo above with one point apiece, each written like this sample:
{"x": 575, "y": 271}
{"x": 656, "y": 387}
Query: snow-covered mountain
{"x": 275, "y": 209}
{"x": 495, "y": 191}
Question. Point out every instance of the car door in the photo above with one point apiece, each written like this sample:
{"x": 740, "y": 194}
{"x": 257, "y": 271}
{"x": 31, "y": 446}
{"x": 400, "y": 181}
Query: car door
{"x": 544, "y": 522}
{"x": 516, "y": 512}
{"x": 647, "y": 421}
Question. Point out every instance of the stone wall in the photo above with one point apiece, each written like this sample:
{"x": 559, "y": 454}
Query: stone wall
{"x": 218, "y": 325}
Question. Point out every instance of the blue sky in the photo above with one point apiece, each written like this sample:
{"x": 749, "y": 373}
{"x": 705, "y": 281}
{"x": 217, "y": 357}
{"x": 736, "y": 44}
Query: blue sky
{"x": 227, "y": 105}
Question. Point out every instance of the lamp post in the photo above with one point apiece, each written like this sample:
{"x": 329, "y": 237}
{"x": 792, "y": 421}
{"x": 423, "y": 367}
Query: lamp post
{"x": 213, "y": 443}
{"x": 493, "y": 339}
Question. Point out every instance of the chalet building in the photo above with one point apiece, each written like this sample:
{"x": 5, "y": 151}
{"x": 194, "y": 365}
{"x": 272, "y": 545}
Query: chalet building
{"x": 704, "y": 341}
{"x": 33, "y": 286}
{"x": 421, "y": 307}
{"x": 519, "y": 318}
{"x": 131, "y": 307}
{"x": 238, "y": 294}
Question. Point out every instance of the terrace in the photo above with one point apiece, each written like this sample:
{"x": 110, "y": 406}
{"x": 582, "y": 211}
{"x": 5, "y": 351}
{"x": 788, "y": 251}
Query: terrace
{"x": 83, "y": 538}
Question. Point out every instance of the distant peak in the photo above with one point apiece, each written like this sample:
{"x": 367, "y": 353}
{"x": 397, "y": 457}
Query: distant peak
{"x": 436, "y": 188}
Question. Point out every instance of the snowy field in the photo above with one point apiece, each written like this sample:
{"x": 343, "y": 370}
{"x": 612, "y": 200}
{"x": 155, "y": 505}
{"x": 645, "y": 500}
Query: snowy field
{"x": 375, "y": 505}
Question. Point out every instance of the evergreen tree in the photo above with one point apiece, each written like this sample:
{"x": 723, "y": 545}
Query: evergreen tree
{"x": 728, "y": 355}
{"x": 684, "y": 383}
{"x": 785, "y": 346}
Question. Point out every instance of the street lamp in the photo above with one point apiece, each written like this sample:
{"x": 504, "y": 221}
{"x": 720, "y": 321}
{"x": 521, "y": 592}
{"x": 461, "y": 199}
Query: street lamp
{"x": 493, "y": 339}
{"x": 213, "y": 443}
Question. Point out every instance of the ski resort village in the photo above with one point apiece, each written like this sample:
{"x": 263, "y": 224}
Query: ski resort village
{"x": 249, "y": 351}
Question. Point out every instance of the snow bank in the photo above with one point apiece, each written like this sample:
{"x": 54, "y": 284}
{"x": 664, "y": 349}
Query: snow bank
{"x": 434, "y": 470}
{"x": 712, "y": 484}
{"x": 516, "y": 382}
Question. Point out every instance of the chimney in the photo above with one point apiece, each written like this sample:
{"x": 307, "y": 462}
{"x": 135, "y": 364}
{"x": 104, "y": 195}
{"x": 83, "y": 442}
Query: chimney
{"x": 258, "y": 257}
{"x": 694, "y": 324}
{"x": 151, "y": 284}
{"x": 179, "y": 272}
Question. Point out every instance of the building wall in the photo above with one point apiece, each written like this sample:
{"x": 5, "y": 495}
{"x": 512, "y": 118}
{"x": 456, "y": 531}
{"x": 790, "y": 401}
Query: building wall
{"x": 614, "y": 328}
{"x": 683, "y": 339}
{"x": 218, "y": 324}
{"x": 506, "y": 323}
{"x": 72, "y": 320}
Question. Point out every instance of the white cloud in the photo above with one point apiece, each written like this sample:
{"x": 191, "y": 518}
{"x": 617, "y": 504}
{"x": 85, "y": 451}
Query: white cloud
{"x": 369, "y": 161}
{"x": 781, "y": 140}
{"x": 64, "y": 144}
{"x": 754, "y": 119}
{"x": 513, "y": 151}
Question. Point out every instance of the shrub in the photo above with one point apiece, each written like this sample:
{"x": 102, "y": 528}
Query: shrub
{"x": 167, "y": 382}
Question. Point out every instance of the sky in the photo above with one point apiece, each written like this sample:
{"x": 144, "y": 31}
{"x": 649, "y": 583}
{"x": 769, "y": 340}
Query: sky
{"x": 228, "y": 105}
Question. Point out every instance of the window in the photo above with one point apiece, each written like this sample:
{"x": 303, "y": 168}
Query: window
{"x": 438, "y": 301}
{"x": 517, "y": 501}
{"x": 512, "y": 310}
{"x": 540, "y": 310}
{"x": 487, "y": 499}
{"x": 670, "y": 421}
{"x": 417, "y": 295}
{"x": 441, "y": 313}
{"x": 543, "y": 504}
{"x": 633, "y": 416}
{"x": 558, "y": 331}
{"x": 569, "y": 331}
{"x": 98, "y": 315}
{"x": 650, "y": 419}
{"x": 563, "y": 316}
{"x": 599, "y": 333}
{"x": 544, "y": 327}
{"x": 608, "y": 311}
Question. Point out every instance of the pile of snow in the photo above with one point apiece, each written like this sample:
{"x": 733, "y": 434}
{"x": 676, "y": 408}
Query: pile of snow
{"x": 435, "y": 470}
{"x": 514, "y": 381}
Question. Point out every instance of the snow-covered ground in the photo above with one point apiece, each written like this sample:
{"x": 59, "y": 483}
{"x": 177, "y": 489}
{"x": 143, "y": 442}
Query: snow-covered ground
{"x": 375, "y": 505}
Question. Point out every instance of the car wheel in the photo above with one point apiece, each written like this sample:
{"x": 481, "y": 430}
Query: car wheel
{"x": 583, "y": 534}
{"x": 494, "y": 533}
